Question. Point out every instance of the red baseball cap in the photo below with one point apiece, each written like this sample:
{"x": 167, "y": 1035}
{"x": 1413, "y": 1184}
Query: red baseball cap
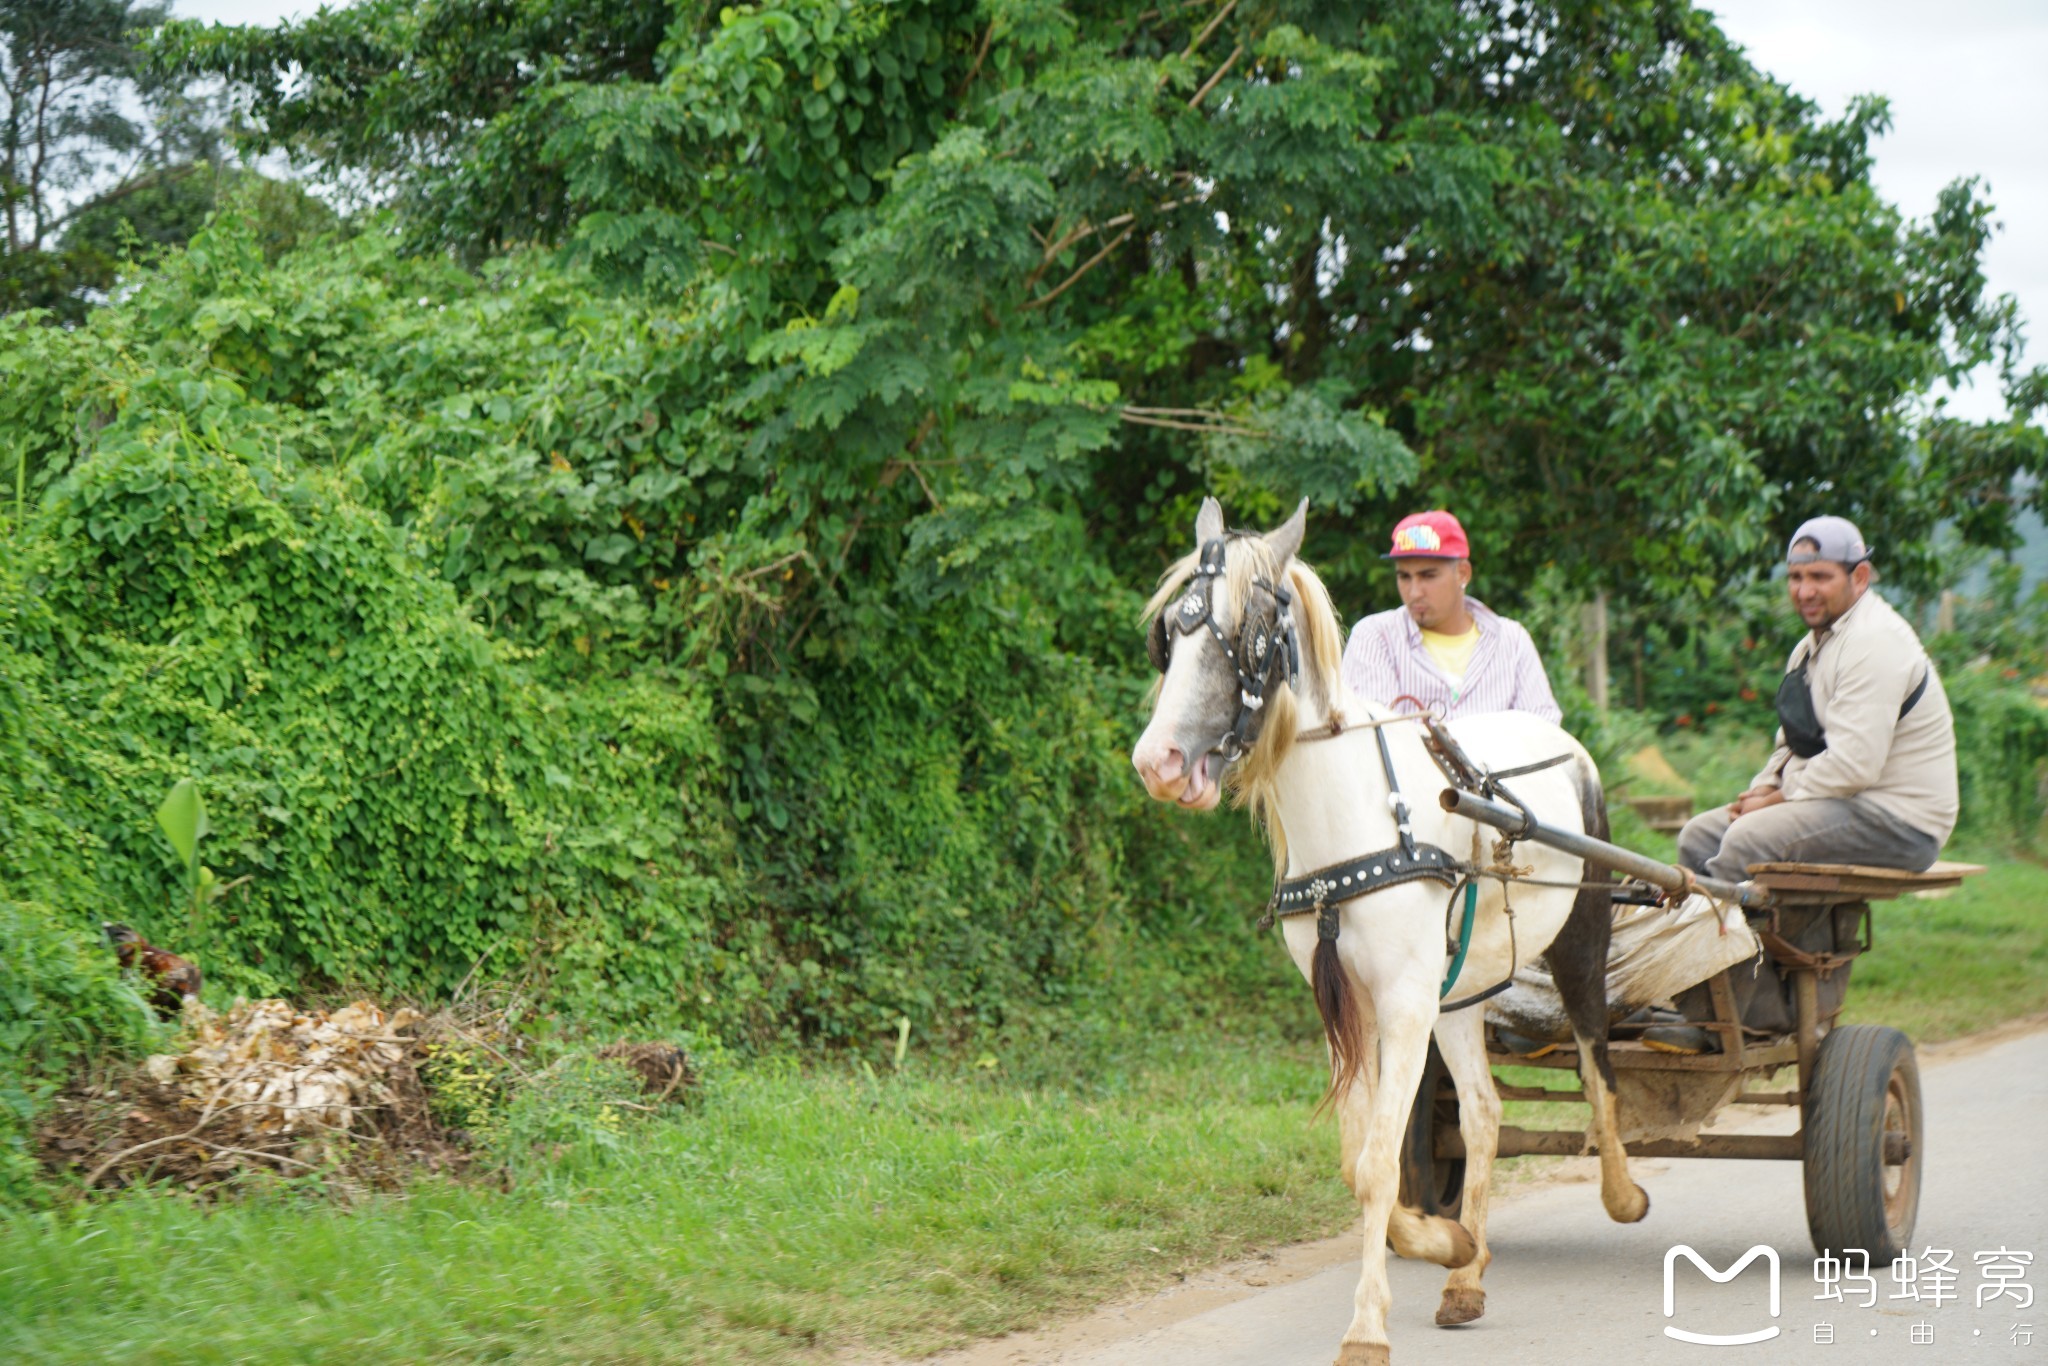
{"x": 1429, "y": 536}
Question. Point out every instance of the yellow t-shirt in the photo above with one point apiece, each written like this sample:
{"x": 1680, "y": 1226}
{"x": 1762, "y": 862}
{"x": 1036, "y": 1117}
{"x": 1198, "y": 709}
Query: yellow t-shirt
{"x": 1453, "y": 654}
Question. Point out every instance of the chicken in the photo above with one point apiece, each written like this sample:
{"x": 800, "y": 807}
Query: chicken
{"x": 172, "y": 980}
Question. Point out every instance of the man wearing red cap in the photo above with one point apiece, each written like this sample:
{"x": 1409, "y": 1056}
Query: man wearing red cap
{"x": 1440, "y": 647}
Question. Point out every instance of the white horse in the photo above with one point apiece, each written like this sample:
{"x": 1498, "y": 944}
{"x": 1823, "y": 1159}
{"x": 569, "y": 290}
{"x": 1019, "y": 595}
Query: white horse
{"x": 1249, "y": 656}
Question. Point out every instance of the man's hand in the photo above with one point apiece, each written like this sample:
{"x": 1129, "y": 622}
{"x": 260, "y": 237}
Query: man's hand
{"x": 1756, "y": 799}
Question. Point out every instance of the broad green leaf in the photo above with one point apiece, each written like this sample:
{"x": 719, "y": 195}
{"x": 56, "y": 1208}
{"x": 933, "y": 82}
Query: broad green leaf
{"x": 183, "y": 818}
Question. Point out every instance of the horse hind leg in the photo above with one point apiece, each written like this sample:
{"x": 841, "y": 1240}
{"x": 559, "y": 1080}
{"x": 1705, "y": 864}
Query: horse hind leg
{"x": 1413, "y": 1234}
{"x": 1626, "y": 1202}
{"x": 1462, "y": 1040}
{"x": 1578, "y": 964}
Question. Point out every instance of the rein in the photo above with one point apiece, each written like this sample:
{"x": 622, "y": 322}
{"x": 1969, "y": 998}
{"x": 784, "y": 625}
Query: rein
{"x": 1337, "y": 727}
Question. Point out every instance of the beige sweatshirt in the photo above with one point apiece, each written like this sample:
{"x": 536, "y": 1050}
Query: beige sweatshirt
{"x": 1862, "y": 669}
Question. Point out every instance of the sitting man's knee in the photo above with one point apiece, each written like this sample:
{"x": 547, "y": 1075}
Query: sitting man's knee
{"x": 1741, "y": 847}
{"x": 1702, "y": 838}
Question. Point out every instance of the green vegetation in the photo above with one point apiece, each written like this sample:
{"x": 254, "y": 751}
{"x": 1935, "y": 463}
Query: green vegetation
{"x": 61, "y": 1004}
{"x": 690, "y": 568}
{"x": 677, "y": 563}
{"x": 1945, "y": 967}
{"x": 783, "y": 1219}
{"x": 788, "y": 1216}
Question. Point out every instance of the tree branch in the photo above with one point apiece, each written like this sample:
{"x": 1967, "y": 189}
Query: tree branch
{"x": 1210, "y": 28}
{"x": 986, "y": 35}
{"x": 130, "y": 183}
{"x": 924, "y": 484}
{"x": 42, "y": 155}
{"x": 1220, "y": 428}
{"x": 888, "y": 477}
{"x": 1221, "y": 72}
{"x": 1174, "y": 412}
{"x": 1086, "y": 266}
{"x": 1057, "y": 249}
{"x": 1199, "y": 39}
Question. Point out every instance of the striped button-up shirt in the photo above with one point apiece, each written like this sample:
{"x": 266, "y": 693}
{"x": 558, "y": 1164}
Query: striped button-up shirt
{"x": 1385, "y": 659}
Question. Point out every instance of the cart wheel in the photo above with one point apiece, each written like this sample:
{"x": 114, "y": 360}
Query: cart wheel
{"x": 1866, "y": 1085}
{"x": 1432, "y": 1184}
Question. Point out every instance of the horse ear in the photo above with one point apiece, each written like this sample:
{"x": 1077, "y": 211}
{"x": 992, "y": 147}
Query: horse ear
{"x": 1285, "y": 539}
{"x": 1208, "y": 522}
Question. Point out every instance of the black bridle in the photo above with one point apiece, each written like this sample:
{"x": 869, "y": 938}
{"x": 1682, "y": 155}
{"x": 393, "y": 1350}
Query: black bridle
{"x": 1266, "y": 643}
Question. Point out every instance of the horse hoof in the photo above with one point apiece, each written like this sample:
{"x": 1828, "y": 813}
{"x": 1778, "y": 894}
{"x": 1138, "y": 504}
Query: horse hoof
{"x": 1631, "y": 1208}
{"x": 1460, "y": 1306}
{"x": 1364, "y": 1354}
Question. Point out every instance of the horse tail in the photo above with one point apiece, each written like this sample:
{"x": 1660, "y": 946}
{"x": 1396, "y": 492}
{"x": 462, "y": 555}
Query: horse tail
{"x": 1338, "y": 1006}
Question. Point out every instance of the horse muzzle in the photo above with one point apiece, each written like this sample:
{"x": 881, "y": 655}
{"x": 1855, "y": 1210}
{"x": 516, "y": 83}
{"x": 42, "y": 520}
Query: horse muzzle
{"x": 1170, "y": 776}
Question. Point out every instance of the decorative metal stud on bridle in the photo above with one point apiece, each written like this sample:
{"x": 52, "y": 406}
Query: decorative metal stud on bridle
{"x": 1263, "y": 646}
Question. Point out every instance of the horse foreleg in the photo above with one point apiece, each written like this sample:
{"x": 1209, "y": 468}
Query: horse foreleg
{"x": 1461, "y": 1038}
{"x": 1404, "y": 1026}
{"x": 1354, "y": 1103}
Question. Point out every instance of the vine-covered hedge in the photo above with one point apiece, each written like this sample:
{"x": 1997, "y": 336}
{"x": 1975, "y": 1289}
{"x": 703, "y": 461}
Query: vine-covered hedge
{"x": 396, "y": 562}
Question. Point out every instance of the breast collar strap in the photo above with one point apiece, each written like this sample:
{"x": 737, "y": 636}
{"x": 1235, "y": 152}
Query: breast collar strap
{"x": 1324, "y": 889}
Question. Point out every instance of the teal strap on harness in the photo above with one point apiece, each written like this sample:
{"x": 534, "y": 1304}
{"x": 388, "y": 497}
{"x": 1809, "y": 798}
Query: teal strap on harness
{"x": 1464, "y": 937}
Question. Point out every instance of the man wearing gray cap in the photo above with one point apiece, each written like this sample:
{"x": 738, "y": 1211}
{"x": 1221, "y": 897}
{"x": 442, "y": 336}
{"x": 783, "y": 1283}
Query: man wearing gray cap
{"x": 1865, "y": 766}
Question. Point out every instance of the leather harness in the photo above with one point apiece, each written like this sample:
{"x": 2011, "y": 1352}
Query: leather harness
{"x": 1325, "y": 889}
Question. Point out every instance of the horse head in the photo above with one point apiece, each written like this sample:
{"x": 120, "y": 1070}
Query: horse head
{"x": 1233, "y": 628}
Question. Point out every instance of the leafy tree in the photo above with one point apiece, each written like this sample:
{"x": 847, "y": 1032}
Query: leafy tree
{"x": 167, "y": 208}
{"x": 815, "y": 382}
{"x": 1579, "y": 254}
{"x": 82, "y": 127}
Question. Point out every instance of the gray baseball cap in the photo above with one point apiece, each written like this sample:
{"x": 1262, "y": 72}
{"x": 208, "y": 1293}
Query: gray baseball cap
{"x": 1837, "y": 537}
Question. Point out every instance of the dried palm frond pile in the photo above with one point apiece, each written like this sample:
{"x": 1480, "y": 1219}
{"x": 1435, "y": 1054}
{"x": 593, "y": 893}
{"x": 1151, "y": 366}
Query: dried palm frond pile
{"x": 362, "y": 1096}
{"x": 265, "y": 1086}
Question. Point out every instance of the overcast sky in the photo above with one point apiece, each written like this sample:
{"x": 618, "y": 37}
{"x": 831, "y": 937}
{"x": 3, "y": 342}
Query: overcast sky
{"x": 1967, "y": 93}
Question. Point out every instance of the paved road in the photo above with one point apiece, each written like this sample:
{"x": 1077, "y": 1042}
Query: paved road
{"x": 1568, "y": 1285}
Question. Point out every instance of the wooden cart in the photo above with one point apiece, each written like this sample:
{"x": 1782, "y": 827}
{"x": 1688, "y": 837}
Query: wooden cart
{"x": 1858, "y": 1090}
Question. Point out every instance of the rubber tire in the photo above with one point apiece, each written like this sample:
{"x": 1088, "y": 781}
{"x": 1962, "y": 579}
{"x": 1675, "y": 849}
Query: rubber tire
{"x": 1864, "y": 1076}
{"x": 1432, "y": 1184}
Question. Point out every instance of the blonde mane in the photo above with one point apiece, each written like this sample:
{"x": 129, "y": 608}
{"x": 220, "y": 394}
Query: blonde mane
{"x": 1252, "y": 779}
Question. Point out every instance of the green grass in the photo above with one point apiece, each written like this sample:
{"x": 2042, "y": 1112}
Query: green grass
{"x": 790, "y": 1217}
{"x": 1946, "y": 967}
{"x": 784, "y": 1219}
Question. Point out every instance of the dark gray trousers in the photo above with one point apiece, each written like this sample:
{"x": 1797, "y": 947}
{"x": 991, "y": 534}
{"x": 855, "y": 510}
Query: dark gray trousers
{"x": 1826, "y": 830}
